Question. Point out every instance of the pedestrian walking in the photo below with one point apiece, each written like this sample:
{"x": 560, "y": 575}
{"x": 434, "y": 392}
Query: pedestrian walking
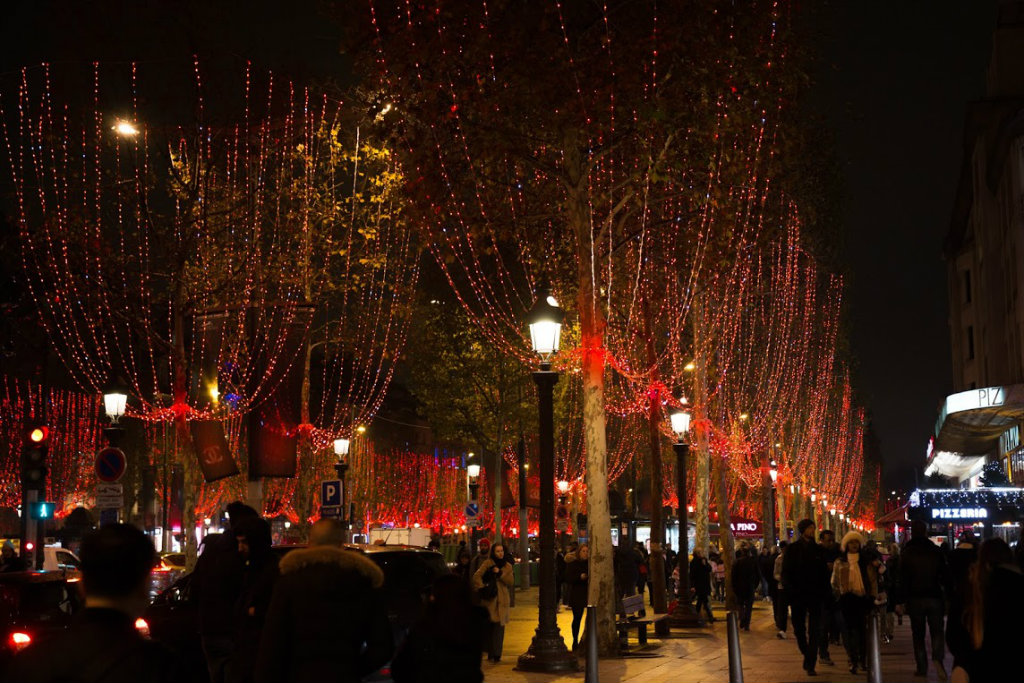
{"x": 891, "y": 581}
{"x": 806, "y": 580}
{"x": 461, "y": 568}
{"x": 831, "y": 616}
{"x": 483, "y": 551}
{"x": 745, "y": 579}
{"x": 993, "y": 615}
{"x": 215, "y": 587}
{"x": 961, "y": 560}
{"x": 765, "y": 566}
{"x": 717, "y": 575}
{"x": 10, "y": 561}
{"x": 102, "y": 643}
{"x": 444, "y": 645}
{"x": 855, "y": 585}
{"x": 780, "y": 607}
{"x": 327, "y": 619}
{"x": 577, "y": 576}
{"x": 492, "y": 582}
{"x": 700, "y": 582}
{"x": 259, "y": 576}
{"x": 923, "y": 573}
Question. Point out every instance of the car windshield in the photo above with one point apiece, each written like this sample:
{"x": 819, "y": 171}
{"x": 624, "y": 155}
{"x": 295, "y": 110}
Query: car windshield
{"x": 175, "y": 559}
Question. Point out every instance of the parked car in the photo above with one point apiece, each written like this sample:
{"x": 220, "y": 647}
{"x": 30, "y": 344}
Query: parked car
{"x": 408, "y": 574}
{"x": 57, "y": 559}
{"x": 32, "y": 606}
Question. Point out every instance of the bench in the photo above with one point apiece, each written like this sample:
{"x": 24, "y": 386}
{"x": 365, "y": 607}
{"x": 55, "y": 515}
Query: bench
{"x": 628, "y": 619}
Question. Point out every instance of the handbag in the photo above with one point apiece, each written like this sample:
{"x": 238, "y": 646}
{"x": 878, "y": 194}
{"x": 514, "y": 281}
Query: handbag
{"x": 489, "y": 591}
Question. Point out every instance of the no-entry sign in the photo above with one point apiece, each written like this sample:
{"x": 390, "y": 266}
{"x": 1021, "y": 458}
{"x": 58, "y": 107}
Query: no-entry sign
{"x": 110, "y": 464}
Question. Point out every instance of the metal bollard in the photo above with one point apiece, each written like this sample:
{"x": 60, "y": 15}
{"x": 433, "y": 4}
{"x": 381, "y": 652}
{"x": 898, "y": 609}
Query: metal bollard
{"x": 735, "y": 657}
{"x": 874, "y": 649}
{"x": 590, "y": 672}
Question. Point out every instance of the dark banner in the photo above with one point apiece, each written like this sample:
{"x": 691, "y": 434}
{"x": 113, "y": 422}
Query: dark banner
{"x": 273, "y": 446}
{"x": 212, "y": 450}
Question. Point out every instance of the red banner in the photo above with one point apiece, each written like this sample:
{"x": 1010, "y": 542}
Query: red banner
{"x": 212, "y": 450}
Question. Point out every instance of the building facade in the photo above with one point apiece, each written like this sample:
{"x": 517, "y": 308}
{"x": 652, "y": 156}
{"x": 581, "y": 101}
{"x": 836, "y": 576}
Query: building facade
{"x": 985, "y": 245}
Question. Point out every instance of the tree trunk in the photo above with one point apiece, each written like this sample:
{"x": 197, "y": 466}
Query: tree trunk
{"x": 307, "y": 471}
{"x": 601, "y": 588}
{"x": 186, "y": 452}
{"x": 724, "y": 529}
{"x": 702, "y": 532}
{"x": 654, "y": 418}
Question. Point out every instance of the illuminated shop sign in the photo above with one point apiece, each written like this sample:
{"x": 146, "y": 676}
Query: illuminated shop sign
{"x": 959, "y": 513}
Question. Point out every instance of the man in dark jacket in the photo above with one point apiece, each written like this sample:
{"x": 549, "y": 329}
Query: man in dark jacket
{"x": 102, "y": 643}
{"x": 258, "y": 579}
{"x": 327, "y": 619}
{"x": 960, "y": 562}
{"x": 215, "y": 587}
{"x": 745, "y": 578}
{"x": 923, "y": 575}
{"x": 830, "y": 614}
{"x": 806, "y": 581}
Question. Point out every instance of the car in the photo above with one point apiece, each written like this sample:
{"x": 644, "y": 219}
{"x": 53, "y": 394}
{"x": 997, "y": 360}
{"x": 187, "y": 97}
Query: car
{"x": 409, "y": 573}
{"x": 58, "y": 559}
{"x": 34, "y": 605}
{"x": 166, "y": 570}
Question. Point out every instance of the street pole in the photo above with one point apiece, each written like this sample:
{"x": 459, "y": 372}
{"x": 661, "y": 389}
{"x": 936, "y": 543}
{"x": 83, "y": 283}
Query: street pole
{"x": 524, "y": 526}
{"x": 547, "y": 652}
{"x": 683, "y": 615}
{"x": 341, "y": 468}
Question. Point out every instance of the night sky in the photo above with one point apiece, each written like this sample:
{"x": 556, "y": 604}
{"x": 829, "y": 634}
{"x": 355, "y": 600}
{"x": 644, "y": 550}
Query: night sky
{"x": 894, "y": 80}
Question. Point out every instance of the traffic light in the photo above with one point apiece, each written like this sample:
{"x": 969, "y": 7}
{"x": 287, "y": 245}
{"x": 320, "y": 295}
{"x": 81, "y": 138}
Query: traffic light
{"x": 33, "y": 457}
{"x": 41, "y": 510}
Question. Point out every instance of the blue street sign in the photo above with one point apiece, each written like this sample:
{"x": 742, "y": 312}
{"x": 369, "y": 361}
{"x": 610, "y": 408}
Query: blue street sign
{"x": 330, "y": 493}
{"x": 472, "y": 509}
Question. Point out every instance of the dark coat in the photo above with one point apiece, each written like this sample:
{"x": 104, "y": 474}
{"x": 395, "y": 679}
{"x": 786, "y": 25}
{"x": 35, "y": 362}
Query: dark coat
{"x": 216, "y": 583}
{"x": 1003, "y": 628}
{"x": 804, "y": 572}
{"x": 439, "y": 652}
{"x": 257, "y": 588}
{"x": 700, "y": 576}
{"x": 923, "y": 572}
{"x": 626, "y": 567}
{"x": 327, "y": 619}
{"x": 766, "y": 567}
{"x": 745, "y": 576}
{"x": 574, "y": 572}
{"x": 100, "y": 645}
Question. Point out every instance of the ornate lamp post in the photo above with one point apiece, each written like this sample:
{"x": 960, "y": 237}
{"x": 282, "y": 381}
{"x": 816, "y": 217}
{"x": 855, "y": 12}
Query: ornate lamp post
{"x": 773, "y": 475}
{"x": 547, "y": 651}
{"x": 683, "y": 615}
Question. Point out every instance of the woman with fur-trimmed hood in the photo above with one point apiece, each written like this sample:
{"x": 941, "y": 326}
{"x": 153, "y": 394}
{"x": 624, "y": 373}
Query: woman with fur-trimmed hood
{"x": 495, "y": 571}
{"x": 327, "y": 619}
{"x": 855, "y": 584}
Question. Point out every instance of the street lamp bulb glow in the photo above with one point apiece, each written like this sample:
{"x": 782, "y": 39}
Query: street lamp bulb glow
{"x": 680, "y": 420}
{"x": 114, "y": 404}
{"x": 563, "y": 487}
{"x": 773, "y": 471}
{"x": 552, "y": 301}
{"x": 473, "y": 471}
{"x": 545, "y": 320}
{"x": 744, "y": 417}
{"x": 361, "y": 429}
{"x": 690, "y": 367}
{"x": 125, "y": 128}
{"x": 341, "y": 447}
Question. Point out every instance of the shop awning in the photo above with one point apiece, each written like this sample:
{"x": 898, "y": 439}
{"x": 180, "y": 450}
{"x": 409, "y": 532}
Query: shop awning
{"x": 969, "y": 427}
{"x": 897, "y": 516}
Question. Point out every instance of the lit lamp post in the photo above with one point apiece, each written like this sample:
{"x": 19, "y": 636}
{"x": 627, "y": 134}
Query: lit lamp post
{"x": 473, "y": 482}
{"x": 683, "y": 615}
{"x": 563, "y": 519}
{"x": 115, "y": 402}
{"x": 341, "y": 447}
{"x": 547, "y": 650}
{"x": 814, "y": 508}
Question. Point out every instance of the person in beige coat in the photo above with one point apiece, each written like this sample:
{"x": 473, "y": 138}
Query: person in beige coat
{"x": 495, "y": 573}
{"x": 855, "y": 584}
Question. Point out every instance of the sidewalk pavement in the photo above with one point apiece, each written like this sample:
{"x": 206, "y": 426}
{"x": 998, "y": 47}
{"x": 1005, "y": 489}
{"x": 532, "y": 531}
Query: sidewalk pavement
{"x": 699, "y": 655}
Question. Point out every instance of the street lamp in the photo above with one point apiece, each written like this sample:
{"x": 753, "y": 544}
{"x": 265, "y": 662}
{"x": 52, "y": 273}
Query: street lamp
{"x": 341, "y": 446}
{"x": 547, "y": 651}
{"x": 773, "y": 476}
{"x": 683, "y": 615}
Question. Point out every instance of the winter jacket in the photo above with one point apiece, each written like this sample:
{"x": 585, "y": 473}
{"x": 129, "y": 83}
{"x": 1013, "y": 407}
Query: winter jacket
{"x": 436, "y": 651}
{"x": 257, "y": 588}
{"x": 1003, "y": 632}
{"x": 101, "y": 645}
{"x": 327, "y": 619}
{"x": 777, "y": 569}
{"x": 745, "y": 576}
{"x": 216, "y": 583}
{"x": 700, "y": 576}
{"x": 922, "y": 570}
{"x": 841, "y": 575}
{"x": 498, "y": 607}
{"x": 577, "y": 575}
{"x": 765, "y": 567}
{"x": 804, "y": 571}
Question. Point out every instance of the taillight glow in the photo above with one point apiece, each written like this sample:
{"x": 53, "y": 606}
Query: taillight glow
{"x": 20, "y": 640}
{"x": 142, "y": 626}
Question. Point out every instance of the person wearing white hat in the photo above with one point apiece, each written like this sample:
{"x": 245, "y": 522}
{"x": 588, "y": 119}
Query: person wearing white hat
{"x": 855, "y": 584}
